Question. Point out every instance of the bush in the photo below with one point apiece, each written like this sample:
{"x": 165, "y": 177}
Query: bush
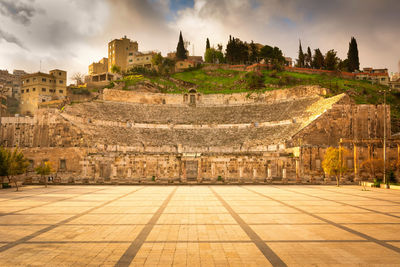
{"x": 377, "y": 183}
{"x": 219, "y": 179}
{"x": 254, "y": 80}
{"x": 80, "y": 91}
{"x": 111, "y": 85}
{"x": 143, "y": 71}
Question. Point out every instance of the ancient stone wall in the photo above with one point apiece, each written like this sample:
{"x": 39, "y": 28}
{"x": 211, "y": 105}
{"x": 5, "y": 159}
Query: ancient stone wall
{"x": 345, "y": 121}
{"x": 212, "y": 99}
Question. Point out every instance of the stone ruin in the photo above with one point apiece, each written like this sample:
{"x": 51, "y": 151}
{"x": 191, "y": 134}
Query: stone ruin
{"x": 130, "y": 137}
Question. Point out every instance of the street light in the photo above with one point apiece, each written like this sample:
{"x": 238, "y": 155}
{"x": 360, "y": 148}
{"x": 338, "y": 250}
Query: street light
{"x": 385, "y": 179}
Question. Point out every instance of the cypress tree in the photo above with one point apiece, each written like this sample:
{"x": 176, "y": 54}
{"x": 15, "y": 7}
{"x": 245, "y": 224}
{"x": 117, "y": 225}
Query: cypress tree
{"x": 208, "y": 44}
{"x": 308, "y": 58}
{"x": 318, "y": 60}
{"x": 352, "y": 56}
{"x": 180, "y": 49}
{"x": 300, "y": 60}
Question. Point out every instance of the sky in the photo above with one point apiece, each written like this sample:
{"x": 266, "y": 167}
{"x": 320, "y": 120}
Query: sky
{"x": 71, "y": 34}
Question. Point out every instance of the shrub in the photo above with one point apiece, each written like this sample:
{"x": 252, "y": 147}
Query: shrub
{"x": 80, "y": 91}
{"x": 219, "y": 179}
{"x": 254, "y": 80}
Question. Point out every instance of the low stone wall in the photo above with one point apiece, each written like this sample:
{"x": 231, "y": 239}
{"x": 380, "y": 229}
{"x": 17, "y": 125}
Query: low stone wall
{"x": 212, "y": 99}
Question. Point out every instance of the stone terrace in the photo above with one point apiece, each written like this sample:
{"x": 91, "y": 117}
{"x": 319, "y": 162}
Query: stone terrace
{"x": 169, "y": 114}
{"x": 199, "y": 226}
{"x": 193, "y": 137}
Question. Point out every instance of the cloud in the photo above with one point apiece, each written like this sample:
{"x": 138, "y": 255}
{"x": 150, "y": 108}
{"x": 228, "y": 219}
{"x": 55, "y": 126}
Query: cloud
{"x": 71, "y": 34}
{"x": 8, "y": 37}
{"x": 19, "y": 11}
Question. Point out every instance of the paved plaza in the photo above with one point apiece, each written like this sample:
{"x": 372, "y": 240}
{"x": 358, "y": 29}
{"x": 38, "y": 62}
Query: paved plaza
{"x": 199, "y": 226}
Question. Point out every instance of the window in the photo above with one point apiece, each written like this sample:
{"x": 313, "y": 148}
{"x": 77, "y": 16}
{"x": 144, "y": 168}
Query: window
{"x": 31, "y": 164}
{"x": 147, "y": 58}
{"x": 27, "y": 90}
{"x": 22, "y": 91}
{"x": 27, "y": 80}
{"x": 43, "y": 89}
{"x": 63, "y": 164}
{"x": 61, "y": 81}
{"x": 34, "y": 79}
{"x": 52, "y": 90}
{"x": 181, "y": 64}
{"x": 131, "y": 54}
{"x": 59, "y": 74}
{"x": 318, "y": 164}
{"x": 130, "y": 60}
{"x": 43, "y": 100}
{"x": 33, "y": 89}
{"x": 61, "y": 91}
{"x": 43, "y": 79}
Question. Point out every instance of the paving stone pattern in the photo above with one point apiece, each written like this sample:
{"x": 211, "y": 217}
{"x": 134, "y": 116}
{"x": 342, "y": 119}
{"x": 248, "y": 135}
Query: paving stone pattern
{"x": 199, "y": 226}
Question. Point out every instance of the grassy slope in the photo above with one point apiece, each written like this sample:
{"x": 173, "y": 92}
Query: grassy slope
{"x": 228, "y": 81}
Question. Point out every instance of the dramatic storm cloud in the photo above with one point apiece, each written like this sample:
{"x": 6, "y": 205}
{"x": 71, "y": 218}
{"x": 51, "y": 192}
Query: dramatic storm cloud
{"x": 70, "y": 34}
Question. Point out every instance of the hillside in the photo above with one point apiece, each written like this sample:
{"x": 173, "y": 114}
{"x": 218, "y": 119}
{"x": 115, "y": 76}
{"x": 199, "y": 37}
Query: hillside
{"x": 230, "y": 81}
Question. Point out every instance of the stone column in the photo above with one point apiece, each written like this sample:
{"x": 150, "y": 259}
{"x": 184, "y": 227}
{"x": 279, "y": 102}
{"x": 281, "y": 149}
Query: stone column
{"x": 355, "y": 159}
{"x": 284, "y": 178}
{"x": 341, "y": 162}
{"x": 298, "y": 174}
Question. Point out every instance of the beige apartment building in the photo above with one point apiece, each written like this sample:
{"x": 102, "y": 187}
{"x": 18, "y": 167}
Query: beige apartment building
{"x": 42, "y": 87}
{"x": 141, "y": 59}
{"x": 99, "y": 67}
{"x": 118, "y": 52}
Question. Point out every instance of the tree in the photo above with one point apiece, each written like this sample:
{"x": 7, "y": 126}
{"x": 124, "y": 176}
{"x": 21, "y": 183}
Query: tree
{"x": 237, "y": 52}
{"x": 253, "y": 52}
{"x": 272, "y": 54}
{"x": 43, "y": 169}
{"x": 5, "y": 157}
{"x": 267, "y": 52}
{"x": 352, "y": 56}
{"x": 115, "y": 69}
{"x": 157, "y": 60}
{"x": 318, "y": 59}
{"x": 331, "y": 60}
{"x": 343, "y": 65}
{"x": 308, "y": 58}
{"x": 12, "y": 163}
{"x": 300, "y": 60}
{"x": 333, "y": 162}
{"x": 208, "y": 44}
{"x": 180, "y": 49}
{"x": 18, "y": 165}
{"x": 78, "y": 78}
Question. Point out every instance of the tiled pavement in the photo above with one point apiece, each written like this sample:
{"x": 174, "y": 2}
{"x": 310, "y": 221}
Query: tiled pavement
{"x": 199, "y": 226}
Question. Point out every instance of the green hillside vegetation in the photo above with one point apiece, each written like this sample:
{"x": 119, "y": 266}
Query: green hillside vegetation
{"x": 230, "y": 81}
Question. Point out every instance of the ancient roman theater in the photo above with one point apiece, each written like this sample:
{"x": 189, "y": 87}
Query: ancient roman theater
{"x": 127, "y": 137}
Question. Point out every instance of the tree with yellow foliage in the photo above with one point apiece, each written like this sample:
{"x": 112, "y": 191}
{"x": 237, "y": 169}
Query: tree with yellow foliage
{"x": 44, "y": 169}
{"x": 333, "y": 162}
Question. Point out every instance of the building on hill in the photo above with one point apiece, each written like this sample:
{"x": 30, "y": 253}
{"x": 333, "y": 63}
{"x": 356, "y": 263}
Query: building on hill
{"x": 375, "y": 77}
{"x": 3, "y": 104}
{"x": 274, "y": 137}
{"x": 288, "y": 62}
{"x": 11, "y": 82}
{"x": 42, "y": 87}
{"x": 98, "y": 67}
{"x": 182, "y": 65}
{"x": 395, "y": 84}
{"x": 118, "y": 52}
{"x": 141, "y": 59}
{"x": 196, "y": 59}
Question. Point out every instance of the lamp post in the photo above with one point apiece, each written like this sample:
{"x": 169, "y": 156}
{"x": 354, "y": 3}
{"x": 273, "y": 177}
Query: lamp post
{"x": 385, "y": 179}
